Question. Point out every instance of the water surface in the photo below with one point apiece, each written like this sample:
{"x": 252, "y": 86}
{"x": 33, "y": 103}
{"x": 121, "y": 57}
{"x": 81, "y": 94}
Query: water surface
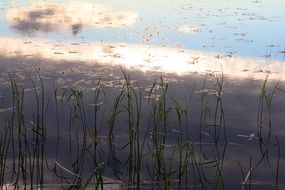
{"x": 227, "y": 55}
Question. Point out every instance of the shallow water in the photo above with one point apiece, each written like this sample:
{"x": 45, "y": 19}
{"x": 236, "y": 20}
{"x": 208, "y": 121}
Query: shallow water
{"x": 176, "y": 37}
{"x": 191, "y": 44}
{"x": 247, "y": 28}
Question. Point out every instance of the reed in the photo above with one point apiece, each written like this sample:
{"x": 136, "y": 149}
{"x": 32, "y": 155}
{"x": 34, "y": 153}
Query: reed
{"x": 162, "y": 146}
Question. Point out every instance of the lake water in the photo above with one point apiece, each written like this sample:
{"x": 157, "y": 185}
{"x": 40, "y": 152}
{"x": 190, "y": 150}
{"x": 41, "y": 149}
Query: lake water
{"x": 213, "y": 119}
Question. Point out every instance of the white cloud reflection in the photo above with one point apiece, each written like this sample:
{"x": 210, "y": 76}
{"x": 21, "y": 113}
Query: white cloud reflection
{"x": 50, "y": 17}
{"x": 187, "y": 29}
{"x": 142, "y": 57}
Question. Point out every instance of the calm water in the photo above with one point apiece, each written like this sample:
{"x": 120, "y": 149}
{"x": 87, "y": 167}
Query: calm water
{"x": 72, "y": 44}
{"x": 248, "y": 28}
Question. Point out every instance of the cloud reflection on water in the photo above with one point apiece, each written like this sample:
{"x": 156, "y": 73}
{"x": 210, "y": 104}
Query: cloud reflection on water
{"x": 51, "y": 17}
{"x": 142, "y": 57}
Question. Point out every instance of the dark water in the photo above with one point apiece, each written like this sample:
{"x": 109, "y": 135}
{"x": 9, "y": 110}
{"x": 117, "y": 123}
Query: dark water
{"x": 193, "y": 46}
